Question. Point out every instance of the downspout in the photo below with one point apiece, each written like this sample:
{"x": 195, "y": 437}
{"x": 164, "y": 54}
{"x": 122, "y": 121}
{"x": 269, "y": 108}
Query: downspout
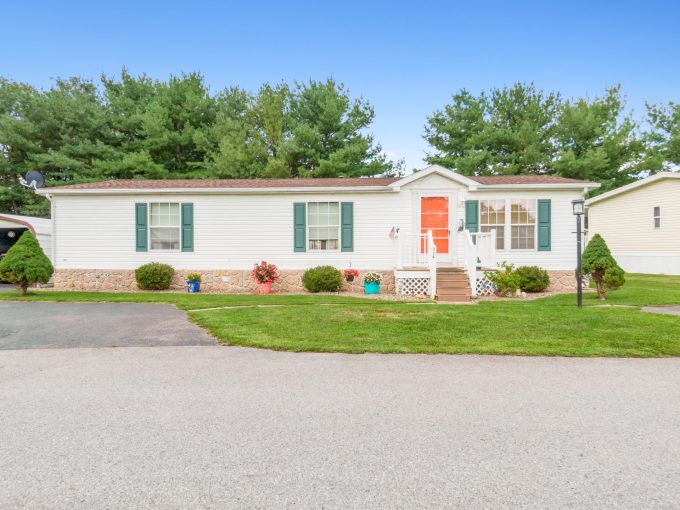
{"x": 53, "y": 243}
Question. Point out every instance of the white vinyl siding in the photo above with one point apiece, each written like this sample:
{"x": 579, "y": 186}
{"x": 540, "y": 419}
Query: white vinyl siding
{"x": 233, "y": 231}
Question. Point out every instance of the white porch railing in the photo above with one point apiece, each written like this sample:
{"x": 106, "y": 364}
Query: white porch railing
{"x": 418, "y": 251}
{"x": 485, "y": 242}
{"x": 470, "y": 260}
{"x": 413, "y": 250}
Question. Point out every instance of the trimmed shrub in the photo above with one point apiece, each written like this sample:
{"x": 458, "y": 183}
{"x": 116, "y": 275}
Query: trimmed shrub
{"x": 154, "y": 276}
{"x": 25, "y": 263}
{"x": 505, "y": 278}
{"x": 322, "y": 279}
{"x": 597, "y": 261}
{"x": 532, "y": 278}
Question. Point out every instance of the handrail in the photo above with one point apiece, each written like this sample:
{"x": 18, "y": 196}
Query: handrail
{"x": 432, "y": 263}
{"x": 470, "y": 256}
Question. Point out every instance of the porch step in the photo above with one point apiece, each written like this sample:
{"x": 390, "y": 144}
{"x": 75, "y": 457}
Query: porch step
{"x": 453, "y": 285}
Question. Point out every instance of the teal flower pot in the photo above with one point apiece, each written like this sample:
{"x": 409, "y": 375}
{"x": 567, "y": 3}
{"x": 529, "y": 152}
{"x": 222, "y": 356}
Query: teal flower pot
{"x": 371, "y": 288}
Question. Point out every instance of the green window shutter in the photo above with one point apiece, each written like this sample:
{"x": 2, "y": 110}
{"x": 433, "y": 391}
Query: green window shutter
{"x": 300, "y": 226}
{"x": 544, "y": 214}
{"x": 347, "y": 226}
{"x": 472, "y": 215}
{"x": 187, "y": 227}
{"x": 141, "y": 226}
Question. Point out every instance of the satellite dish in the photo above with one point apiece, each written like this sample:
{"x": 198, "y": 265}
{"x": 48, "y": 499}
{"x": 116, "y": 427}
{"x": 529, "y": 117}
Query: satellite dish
{"x": 33, "y": 179}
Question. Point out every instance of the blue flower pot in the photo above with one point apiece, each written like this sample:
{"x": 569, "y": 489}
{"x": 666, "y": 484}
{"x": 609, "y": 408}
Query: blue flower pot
{"x": 193, "y": 286}
{"x": 371, "y": 288}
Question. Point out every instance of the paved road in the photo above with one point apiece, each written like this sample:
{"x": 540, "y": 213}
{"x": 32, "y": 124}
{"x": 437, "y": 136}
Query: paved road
{"x": 228, "y": 427}
{"x": 49, "y": 325}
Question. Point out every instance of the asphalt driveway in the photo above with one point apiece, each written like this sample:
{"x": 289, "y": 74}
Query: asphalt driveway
{"x": 37, "y": 325}
{"x": 230, "y": 427}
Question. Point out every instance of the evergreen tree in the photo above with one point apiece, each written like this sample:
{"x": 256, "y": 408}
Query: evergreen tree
{"x": 597, "y": 261}
{"x": 25, "y": 263}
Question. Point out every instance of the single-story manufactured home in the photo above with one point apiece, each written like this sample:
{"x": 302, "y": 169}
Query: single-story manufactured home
{"x": 430, "y": 232}
{"x": 12, "y": 226}
{"x": 639, "y": 223}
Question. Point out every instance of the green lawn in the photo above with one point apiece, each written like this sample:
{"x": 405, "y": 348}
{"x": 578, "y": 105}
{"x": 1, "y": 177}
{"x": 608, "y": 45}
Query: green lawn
{"x": 548, "y": 326}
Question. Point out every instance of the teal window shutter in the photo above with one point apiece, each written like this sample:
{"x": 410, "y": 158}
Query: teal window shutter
{"x": 472, "y": 215}
{"x": 300, "y": 226}
{"x": 347, "y": 226}
{"x": 544, "y": 234}
{"x": 187, "y": 227}
{"x": 141, "y": 227}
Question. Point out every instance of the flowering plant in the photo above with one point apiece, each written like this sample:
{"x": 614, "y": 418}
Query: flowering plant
{"x": 350, "y": 274}
{"x": 372, "y": 277}
{"x": 265, "y": 273}
{"x": 194, "y": 277}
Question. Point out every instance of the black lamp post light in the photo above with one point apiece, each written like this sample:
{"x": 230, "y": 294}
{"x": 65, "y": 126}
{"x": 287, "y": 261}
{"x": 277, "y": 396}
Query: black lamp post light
{"x": 579, "y": 210}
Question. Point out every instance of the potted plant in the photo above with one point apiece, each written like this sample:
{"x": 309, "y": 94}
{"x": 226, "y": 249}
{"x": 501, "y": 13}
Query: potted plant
{"x": 350, "y": 275}
{"x": 372, "y": 282}
{"x": 265, "y": 275}
{"x": 194, "y": 282}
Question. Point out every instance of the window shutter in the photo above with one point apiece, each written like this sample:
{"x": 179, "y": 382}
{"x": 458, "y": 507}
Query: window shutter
{"x": 472, "y": 215}
{"x": 300, "y": 226}
{"x": 141, "y": 226}
{"x": 347, "y": 226}
{"x": 187, "y": 227}
{"x": 544, "y": 214}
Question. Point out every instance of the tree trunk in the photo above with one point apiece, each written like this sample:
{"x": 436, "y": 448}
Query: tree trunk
{"x": 600, "y": 290}
{"x": 24, "y": 288}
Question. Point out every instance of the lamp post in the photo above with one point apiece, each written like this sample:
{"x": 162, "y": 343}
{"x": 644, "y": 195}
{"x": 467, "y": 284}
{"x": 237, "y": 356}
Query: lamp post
{"x": 579, "y": 209}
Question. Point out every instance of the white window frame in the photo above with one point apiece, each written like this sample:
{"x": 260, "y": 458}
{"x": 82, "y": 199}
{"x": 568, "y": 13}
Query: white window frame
{"x": 511, "y": 224}
{"x": 498, "y": 226}
{"x": 657, "y": 217}
{"x": 309, "y": 226}
{"x": 178, "y": 227}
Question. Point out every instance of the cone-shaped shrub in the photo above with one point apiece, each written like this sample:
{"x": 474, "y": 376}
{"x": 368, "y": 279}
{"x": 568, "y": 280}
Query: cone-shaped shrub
{"x": 597, "y": 261}
{"x": 25, "y": 263}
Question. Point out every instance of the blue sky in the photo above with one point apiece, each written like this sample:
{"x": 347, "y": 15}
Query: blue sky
{"x": 406, "y": 59}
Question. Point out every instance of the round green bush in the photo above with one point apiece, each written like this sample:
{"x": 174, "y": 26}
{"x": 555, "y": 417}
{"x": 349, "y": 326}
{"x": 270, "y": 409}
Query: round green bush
{"x": 322, "y": 279}
{"x": 533, "y": 278}
{"x": 154, "y": 276}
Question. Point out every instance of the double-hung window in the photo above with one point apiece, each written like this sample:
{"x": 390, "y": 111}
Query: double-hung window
{"x": 657, "y": 217}
{"x": 492, "y": 217}
{"x": 523, "y": 224}
{"x": 164, "y": 226}
{"x": 323, "y": 224}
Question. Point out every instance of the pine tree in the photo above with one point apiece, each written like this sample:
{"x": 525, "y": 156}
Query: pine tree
{"x": 597, "y": 261}
{"x": 25, "y": 263}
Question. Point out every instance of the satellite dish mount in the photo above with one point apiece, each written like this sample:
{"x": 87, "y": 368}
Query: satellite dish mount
{"x": 33, "y": 180}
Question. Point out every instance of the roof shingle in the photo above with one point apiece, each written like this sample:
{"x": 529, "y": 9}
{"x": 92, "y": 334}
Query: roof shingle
{"x": 134, "y": 184}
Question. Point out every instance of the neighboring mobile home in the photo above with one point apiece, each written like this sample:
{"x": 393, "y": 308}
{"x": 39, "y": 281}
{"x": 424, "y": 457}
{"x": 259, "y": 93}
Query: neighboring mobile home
{"x": 640, "y": 223}
{"x": 409, "y": 229}
{"x": 12, "y": 226}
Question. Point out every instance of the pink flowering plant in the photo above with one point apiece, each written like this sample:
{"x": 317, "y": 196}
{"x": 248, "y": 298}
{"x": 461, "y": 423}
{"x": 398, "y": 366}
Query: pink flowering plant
{"x": 350, "y": 274}
{"x": 265, "y": 273}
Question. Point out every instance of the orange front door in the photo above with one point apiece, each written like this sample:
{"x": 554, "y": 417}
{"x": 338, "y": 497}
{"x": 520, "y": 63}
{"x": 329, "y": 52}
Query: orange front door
{"x": 434, "y": 216}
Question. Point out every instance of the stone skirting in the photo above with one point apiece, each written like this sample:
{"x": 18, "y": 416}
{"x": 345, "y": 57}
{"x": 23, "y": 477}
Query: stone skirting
{"x": 215, "y": 281}
{"x": 562, "y": 281}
